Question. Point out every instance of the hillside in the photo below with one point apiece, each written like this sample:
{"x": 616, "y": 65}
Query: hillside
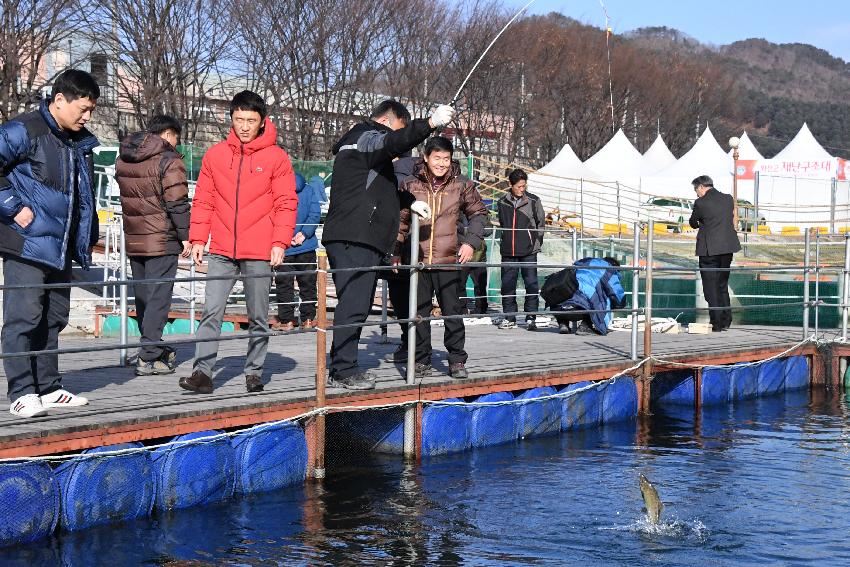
{"x": 779, "y": 86}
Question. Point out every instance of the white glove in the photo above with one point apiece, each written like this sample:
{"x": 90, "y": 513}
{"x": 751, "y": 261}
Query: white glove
{"x": 442, "y": 116}
{"x": 422, "y": 209}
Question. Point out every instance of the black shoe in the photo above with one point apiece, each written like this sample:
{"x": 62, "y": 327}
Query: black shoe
{"x": 169, "y": 356}
{"x": 585, "y": 329}
{"x": 398, "y": 355}
{"x": 716, "y": 329}
{"x": 458, "y": 371}
{"x": 253, "y": 383}
{"x": 197, "y": 382}
{"x": 530, "y": 325}
{"x": 421, "y": 370}
{"x": 564, "y": 329}
{"x": 362, "y": 381}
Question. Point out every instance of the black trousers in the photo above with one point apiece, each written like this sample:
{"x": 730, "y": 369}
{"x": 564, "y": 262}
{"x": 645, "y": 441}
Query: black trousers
{"x": 153, "y": 301}
{"x": 715, "y": 288}
{"x": 479, "y": 284}
{"x": 32, "y": 320}
{"x": 532, "y": 286}
{"x": 355, "y": 292}
{"x": 398, "y": 288}
{"x": 285, "y": 288}
{"x": 445, "y": 284}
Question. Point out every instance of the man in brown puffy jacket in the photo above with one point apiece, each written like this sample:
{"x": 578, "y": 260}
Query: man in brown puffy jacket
{"x": 155, "y": 207}
{"x": 437, "y": 181}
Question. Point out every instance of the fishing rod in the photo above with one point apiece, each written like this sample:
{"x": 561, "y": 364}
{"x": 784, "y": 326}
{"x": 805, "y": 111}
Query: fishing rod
{"x": 484, "y": 54}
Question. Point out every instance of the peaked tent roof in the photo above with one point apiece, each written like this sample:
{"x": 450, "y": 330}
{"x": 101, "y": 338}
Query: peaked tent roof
{"x": 706, "y": 157}
{"x": 568, "y": 164}
{"x": 618, "y": 159}
{"x": 804, "y": 147}
{"x": 746, "y": 149}
{"x": 658, "y": 156}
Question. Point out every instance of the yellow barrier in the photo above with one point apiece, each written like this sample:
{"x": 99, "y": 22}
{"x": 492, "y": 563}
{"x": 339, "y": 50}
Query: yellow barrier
{"x": 105, "y": 216}
{"x": 763, "y": 229}
{"x": 791, "y": 231}
{"x": 821, "y": 229}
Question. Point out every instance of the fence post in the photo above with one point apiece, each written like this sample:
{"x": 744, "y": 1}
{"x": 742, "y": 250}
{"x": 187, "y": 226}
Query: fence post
{"x": 321, "y": 349}
{"x": 845, "y": 280}
{"x": 619, "y": 231}
{"x": 611, "y": 246}
{"x": 635, "y": 291}
{"x": 833, "y": 189}
{"x": 410, "y": 413}
{"x": 806, "y": 244}
{"x": 647, "y": 301}
{"x": 574, "y": 237}
{"x": 122, "y": 353}
{"x": 581, "y": 203}
{"x": 470, "y": 166}
{"x": 192, "y": 293}
{"x": 106, "y": 260}
{"x": 756, "y": 182}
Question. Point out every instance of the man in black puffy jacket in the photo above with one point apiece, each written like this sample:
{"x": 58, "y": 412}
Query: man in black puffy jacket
{"x": 522, "y": 222}
{"x": 47, "y": 199}
{"x": 363, "y": 218}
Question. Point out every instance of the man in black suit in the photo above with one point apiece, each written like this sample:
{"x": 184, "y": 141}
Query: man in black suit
{"x": 716, "y": 242}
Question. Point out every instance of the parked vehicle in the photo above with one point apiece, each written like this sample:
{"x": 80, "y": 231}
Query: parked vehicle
{"x": 672, "y": 211}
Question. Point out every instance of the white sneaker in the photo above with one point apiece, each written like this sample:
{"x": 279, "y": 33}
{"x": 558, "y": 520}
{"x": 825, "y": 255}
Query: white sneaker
{"x": 63, "y": 399}
{"x": 28, "y": 406}
{"x": 507, "y": 324}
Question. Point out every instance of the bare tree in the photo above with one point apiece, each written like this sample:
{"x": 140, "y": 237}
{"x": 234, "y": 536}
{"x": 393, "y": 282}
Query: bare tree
{"x": 30, "y": 30}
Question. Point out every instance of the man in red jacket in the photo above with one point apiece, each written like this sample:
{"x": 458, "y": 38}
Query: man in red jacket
{"x": 245, "y": 200}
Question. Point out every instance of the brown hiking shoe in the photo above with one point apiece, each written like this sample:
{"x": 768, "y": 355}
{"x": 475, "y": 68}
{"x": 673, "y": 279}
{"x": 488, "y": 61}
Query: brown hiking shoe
{"x": 308, "y": 324}
{"x": 253, "y": 383}
{"x": 197, "y": 382}
{"x": 283, "y": 326}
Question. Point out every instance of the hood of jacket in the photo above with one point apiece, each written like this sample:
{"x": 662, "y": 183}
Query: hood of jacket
{"x": 142, "y": 146}
{"x": 267, "y": 137}
{"x": 300, "y": 183}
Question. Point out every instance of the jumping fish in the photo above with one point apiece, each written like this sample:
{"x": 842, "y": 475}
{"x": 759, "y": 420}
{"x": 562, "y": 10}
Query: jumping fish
{"x": 651, "y": 500}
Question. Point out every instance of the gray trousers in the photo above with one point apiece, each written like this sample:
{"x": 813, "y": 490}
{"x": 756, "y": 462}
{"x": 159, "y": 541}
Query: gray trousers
{"x": 33, "y": 317}
{"x": 256, "y": 299}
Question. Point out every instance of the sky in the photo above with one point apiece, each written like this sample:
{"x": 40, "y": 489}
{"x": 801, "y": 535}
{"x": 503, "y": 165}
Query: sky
{"x": 822, "y": 23}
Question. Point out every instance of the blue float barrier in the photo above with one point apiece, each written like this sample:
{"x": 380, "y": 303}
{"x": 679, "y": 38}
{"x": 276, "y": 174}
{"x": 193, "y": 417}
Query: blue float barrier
{"x": 105, "y": 490}
{"x": 771, "y": 377}
{"x": 182, "y": 327}
{"x": 673, "y": 388}
{"x": 445, "y": 429}
{"x": 270, "y": 457}
{"x": 192, "y": 474}
{"x": 743, "y": 383}
{"x": 619, "y": 400}
{"x": 796, "y": 372}
{"x": 716, "y": 386}
{"x": 582, "y": 409}
{"x": 494, "y": 425}
{"x": 539, "y": 418}
{"x": 29, "y": 502}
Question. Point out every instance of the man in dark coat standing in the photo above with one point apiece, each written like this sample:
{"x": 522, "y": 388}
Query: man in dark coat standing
{"x": 716, "y": 242}
{"x": 363, "y": 219}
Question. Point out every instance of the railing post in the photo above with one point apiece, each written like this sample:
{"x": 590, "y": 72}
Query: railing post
{"x": 192, "y": 294}
{"x": 635, "y": 291}
{"x": 756, "y": 182}
{"x": 647, "y": 301}
{"x": 817, "y": 283}
{"x": 845, "y": 293}
{"x": 122, "y": 353}
{"x": 833, "y": 189}
{"x": 384, "y": 338}
{"x": 410, "y": 413}
{"x": 321, "y": 349}
{"x": 619, "y": 232}
{"x": 806, "y": 244}
{"x": 106, "y": 260}
{"x": 611, "y": 246}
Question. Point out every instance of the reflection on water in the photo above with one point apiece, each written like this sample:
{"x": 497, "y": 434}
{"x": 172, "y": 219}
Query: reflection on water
{"x": 760, "y": 481}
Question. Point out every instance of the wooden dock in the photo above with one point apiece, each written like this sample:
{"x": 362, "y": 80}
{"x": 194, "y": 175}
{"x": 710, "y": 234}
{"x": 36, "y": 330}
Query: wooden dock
{"x": 125, "y": 407}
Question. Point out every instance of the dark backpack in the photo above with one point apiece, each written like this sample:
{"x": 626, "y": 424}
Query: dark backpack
{"x": 559, "y": 287}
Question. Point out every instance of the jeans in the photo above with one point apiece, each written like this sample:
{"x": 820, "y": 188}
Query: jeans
{"x": 32, "y": 320}
{"x": 509, "y": 281}
{"x": 215, "y": 301}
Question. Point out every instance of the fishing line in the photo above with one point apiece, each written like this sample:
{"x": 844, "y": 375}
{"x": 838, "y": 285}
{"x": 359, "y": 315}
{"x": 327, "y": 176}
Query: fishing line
{"x": 608, "y": 32}
{"x": 474, "y": 67}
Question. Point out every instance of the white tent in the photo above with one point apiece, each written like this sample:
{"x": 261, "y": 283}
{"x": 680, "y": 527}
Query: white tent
{"x": 618, "y": 159}
{"x": 560, "y": 182}
{"x": 803, "y": 147}
{"x": 746, "y": 149}
{"x": 567, "y": 164}
{"x": 658, "y": 156}
{"x": 706, "y": 157}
